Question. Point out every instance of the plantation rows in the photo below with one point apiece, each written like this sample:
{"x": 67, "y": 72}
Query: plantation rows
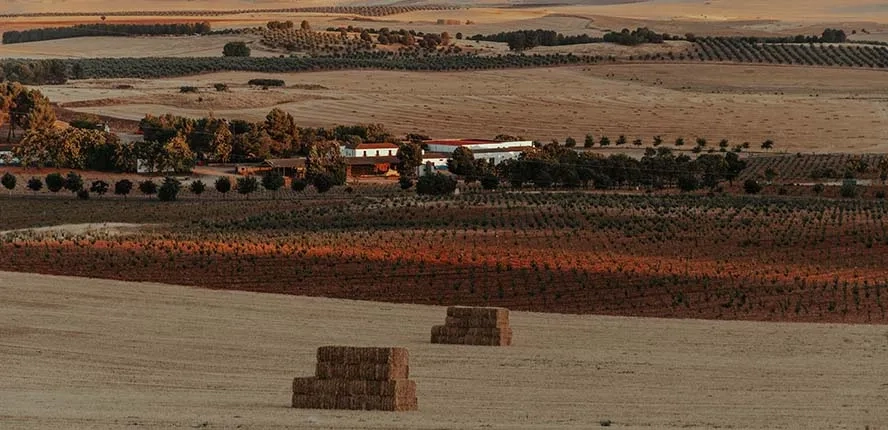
{"x": 740, "y": 50}
{"x": 672, "y": 256}
{"x": 355, "y": 10}
{"x": 816, "y": 167}
{"x": 146, "y": 68}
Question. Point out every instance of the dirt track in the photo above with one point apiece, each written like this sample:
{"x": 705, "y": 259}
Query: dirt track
{"x": 82, "y": 353}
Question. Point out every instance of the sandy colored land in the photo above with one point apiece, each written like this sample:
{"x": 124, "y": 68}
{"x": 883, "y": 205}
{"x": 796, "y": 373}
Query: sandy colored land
{"x": 86, "y": 229}
{"x": 114, "y": 47}
{"x": 802, "y": 109}
{"x": 83, "y": 353}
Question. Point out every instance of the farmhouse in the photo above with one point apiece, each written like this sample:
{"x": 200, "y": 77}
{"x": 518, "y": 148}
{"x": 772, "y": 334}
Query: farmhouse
{"x": 371, "y": 166}
{"x": 287, "y": 167}
{"x": 494, "y": 151}
{"x": 432, "y": 162}
{"x": 369, "y": 150}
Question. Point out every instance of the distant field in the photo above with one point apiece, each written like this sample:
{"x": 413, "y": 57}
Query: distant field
{"x": 802, "y": 109}
{"x": 184, "y": 357}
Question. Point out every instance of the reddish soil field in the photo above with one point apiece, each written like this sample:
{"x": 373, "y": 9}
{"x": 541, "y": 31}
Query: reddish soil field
{"x": 777, "y": 259}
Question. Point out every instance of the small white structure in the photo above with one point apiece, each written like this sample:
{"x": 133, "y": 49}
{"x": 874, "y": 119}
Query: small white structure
{"x": 432, "y": 162}
{"x": 476, "y": 145}
{"x": 369, "y": 150}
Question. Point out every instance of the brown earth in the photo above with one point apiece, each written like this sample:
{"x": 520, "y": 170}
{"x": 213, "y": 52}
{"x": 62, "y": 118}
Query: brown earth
{"x": 180, "y": 357}
{"x": 805, "y": 109}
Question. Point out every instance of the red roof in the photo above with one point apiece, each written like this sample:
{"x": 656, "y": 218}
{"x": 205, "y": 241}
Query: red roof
{"x": 376, "y": 146}
{"x": 460, "y": 142}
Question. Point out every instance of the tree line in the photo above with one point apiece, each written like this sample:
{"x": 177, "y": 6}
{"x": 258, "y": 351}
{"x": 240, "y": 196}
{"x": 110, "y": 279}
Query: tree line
{"x": 527, "y": 39}
{"x": 102, "y": 29}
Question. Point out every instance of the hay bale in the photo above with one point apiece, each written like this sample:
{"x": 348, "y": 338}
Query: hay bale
{"x": 354, "y": 355}
{"x": 368, "y": 372}
{"x": 501, "y": 321}
{"x": 478, "y": 312}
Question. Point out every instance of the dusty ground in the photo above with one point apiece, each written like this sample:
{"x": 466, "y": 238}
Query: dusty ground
{"x": 115, "y": 47}
{"x": 801, "y": 109}
{"x": 83, "y": 353}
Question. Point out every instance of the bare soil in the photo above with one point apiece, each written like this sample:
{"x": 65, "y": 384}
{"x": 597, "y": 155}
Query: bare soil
{"x": 85, "y": 353}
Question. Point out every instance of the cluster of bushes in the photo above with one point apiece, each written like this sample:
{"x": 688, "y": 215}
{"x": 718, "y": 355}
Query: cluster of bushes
{"x": 266, "y": 82}
{"x": 555, "y": 165}
{"x": 85, "y": 30}
{"x": 526, "y": 39}
{"x": 53, "y": 71}
{"x": 636, "y": 37}
{"x": 236, "y": 49}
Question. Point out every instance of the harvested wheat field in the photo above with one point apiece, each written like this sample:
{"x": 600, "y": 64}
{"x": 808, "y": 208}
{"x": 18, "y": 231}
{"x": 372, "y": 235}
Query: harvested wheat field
{"x": 85, "y": 353}
{"x": 802, "y": 109}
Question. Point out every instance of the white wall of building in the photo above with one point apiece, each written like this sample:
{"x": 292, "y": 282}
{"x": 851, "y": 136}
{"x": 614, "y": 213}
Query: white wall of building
{"x": 449, "y": 148}
{"x": 497, "y": 157}
{"x": 381, "y": 152}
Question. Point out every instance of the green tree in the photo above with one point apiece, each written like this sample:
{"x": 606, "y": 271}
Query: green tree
{"x": 437, "y": 184}
{"x": 322, "y": 183}
{"x": 123, "y": 187}
{"x": 272, "y": 181}
{"x": 462, "y": 162}
{"x": 99, "y": 187}
{"x": 35, "y": 184}
{"x": 818, "y": 189}
{"x": 768, "y": 144}
{"x": 543, "y": 180}
{"x": 223, "y": 184}
{"x": 751, "y": 186}
{"x": 638, "y": 142}
{"x": 298, "y": 185}
{"x": 679, "y": 141}
{"x": 55, "y": 182}
{"x": 658, "y": 140}
{"x": 605, "y": 141}
{"x": 8, "y": 180}
{"x": 247, "y": 185}
{"x": 410, "y": 157}
{"x": 490, "y": 182}
{"x": 281, "y": 127}
{"x": 148, "y": 187}
{"x": 73, "y": 182}
{"x": 723, "y": 144}
{"x": 405, "y": 183}
{"x": 621, "y": 140}
{"x": 197, "y": 187}
{"x": 570, "y": 142}
{"x": 236, "y": 49}
{"x": 701, "y": 142}
{"x": 589, "y": 141}
{"x": 169, "y": 189}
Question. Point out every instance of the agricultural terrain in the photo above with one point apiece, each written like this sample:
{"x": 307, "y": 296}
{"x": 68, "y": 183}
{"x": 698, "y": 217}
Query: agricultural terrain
{"x": 192, "y": 358}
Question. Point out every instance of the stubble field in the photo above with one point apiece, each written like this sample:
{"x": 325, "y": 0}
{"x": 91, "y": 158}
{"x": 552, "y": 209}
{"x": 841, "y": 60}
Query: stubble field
{"x": 183, "y": 357}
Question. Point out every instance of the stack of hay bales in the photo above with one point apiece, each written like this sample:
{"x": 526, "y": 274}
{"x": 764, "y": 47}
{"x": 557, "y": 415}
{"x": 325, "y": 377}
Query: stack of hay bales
{"x": 358, "y": 378}
{"x": 474, "y": 326}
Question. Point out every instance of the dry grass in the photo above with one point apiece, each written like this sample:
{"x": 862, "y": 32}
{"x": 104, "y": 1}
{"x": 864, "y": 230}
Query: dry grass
{"x": 802, "y": 109}
{"x": 179, "y": 357}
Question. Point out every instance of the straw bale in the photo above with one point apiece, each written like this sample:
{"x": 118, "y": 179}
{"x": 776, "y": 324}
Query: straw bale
{"x": 354, "y": 355}
{"x": 477, "y": 312}
{"x": 478, "y": 322}
{"x": 371, "y": 372}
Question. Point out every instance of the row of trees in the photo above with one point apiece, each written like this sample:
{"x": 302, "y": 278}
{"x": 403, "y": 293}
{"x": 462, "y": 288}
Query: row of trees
{"x": 102, "y": 29}
{"x": 557, "y": 165}
{"x": 527, "y": 39}
{"x": 168, "y": 189}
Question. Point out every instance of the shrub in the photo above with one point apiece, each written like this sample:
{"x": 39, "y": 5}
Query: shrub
{"x": 298, "y": 185}
{"x": 148, "y": 187}
{"x": 751, "y": 186}
{"x": 818, "y": 189}
{"x": 221, "y": 87}
{"x": 438, "y": 184}
{"x": 247, "y": 185}
{"x": 490, "y": 182}
{"x": 83, "y": 194}
{"x": 880, "y": 195}
{"x": 322, "y": 183}
{"x": 223, "y": 184}
{"x": 99, "y": 187}
{"x": 272, "y": 181}
{"x": 35, "y": 184}
{"x": 849, "y": 190}
{"x": 236, "y": 49}
{"x": 405, "y": 182}
{"x": 123, "y": 187}
{"x": 197, "y": 187}
{"x": 688, "y": 183}
{"x": 8, "y": 180}
{"x": 169, "y": 190}
{"x": 187, "y": 89}
{"x": 73, "y": 182}
{"x": 266, "y": 82}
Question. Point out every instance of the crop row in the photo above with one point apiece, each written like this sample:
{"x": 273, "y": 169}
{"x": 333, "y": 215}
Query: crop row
{"x": 674, "y": 256}
{"x": 741, "y": 50}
